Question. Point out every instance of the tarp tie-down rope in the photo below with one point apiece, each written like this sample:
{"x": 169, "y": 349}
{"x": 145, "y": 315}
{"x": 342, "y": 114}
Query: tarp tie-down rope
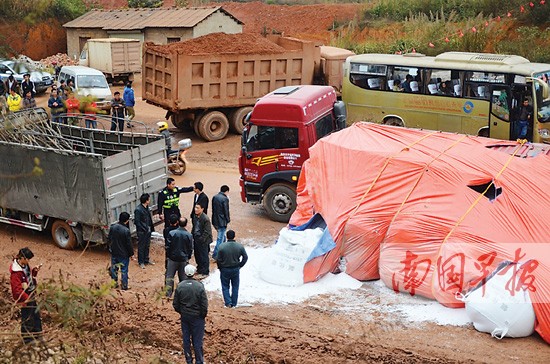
{"x": 388, "y": 160}
{"x": 459, "y": 221}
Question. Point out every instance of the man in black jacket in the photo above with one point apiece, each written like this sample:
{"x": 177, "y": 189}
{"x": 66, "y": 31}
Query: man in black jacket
{"x": 220, "y": 216}
{"x": 144, "y": 228}
{"x": 118, "y": 107}
{"x": 191, "y": 303}
{"x": 120, "y": 246}
{"x": 27, "y": 85}
{"x": 179, "y": 248}
{"x": 231, "y": 258}
{"x": 202, "y": 237}
{"x": 173, "y": 220}
{"x": 200, "y": 198}
{"x": 169, "y": 200}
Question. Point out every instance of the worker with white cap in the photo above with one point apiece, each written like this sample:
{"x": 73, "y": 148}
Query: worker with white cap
{"x": 191, "y": 303}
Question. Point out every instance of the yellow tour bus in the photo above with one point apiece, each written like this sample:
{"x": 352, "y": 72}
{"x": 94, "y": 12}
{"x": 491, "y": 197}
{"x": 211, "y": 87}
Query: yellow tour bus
{"x": 472, "y": 93}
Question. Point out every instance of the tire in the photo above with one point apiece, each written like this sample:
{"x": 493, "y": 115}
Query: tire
{"x": 483, "y": 132}
{"x": 213, "y": 126}
{"x": 236, "y": 119}
{"x": 280, "y": 202}
{"x": 393, "y": 122}
{"x": 179, "y": 165}
{"x": 181, "y": 122}
{"x": 63, "y": 235}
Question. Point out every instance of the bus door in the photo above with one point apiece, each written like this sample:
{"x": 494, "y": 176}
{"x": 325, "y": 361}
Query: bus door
{"x": 500, "y": 115}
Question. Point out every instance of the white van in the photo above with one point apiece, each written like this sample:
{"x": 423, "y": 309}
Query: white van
{"x": 88, "y": 82}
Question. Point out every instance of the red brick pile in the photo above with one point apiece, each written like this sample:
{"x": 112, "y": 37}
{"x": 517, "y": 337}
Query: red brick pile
{"x": 221, "y": 43}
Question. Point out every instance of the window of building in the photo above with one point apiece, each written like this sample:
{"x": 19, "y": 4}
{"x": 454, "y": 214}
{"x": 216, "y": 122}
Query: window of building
{"x": 173, "y": 40}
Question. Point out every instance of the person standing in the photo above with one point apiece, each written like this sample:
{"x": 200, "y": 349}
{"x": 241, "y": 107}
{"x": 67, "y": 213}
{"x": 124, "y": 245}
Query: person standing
{"x": 231, "y": 258}
{"x": 169, "y": 200}
{"x": 200, "y": 198}
{"x": 120, "y": 246}
{"x": 174, "y": 224}
{"x": 62, "y": 90}
{"x": 23, "y": 287}
{"x": 3, "y": 104}
{"x": 55, "y": 103}
{"x": 130, "y": 102}
{"x": 144, "y": 228}
{"x": 27, "y": 85}
{"x": 90, "y": 110}
{"x": 117, "y": 111}
{"x": 11, "y": 84}
{"x": 14, "y": 101}
{"x": 73, "y": 109}
{"x": 179, "y": 248}
{"x": 191, "y": 302}
{"x": 28, "y": 102}
{"x": 524, "y": 116}
{"x": 202, "y": 237}
{"x": 220, "y": 216}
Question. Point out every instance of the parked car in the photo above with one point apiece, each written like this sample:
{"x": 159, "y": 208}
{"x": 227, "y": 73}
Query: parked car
{"x": 42, "y": 80}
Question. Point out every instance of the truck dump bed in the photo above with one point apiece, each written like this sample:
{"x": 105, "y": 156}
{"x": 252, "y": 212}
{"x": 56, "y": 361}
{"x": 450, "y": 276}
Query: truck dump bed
{"x": 75, "y": 174}
{"x": 224, "y": 70}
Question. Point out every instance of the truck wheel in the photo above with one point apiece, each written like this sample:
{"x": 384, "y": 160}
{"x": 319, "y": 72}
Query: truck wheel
{"x": 280, "y": 202}
{"x": 181, "y": 123}
{"x": 63, "y": 235}
{"x": 237, "y": 119}
{"x": 213, "y": 126}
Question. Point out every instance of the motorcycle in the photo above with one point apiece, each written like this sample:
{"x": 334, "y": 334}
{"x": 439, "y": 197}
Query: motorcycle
{"x": 176, "y": 158}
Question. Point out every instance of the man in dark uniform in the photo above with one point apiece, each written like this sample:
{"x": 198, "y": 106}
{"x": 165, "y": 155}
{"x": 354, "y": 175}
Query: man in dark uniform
{"x": 191, "y": 302}
{"x": 169, "y": 200}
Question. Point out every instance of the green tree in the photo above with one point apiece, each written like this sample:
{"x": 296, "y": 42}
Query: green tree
{"x": 145, "y": 3}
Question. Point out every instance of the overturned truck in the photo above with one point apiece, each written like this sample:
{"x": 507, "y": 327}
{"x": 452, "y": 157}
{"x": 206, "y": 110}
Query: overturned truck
{"x": 74, "y": 181}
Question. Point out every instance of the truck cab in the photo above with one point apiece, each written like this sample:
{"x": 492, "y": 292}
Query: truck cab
{"x": 276, "y": 140}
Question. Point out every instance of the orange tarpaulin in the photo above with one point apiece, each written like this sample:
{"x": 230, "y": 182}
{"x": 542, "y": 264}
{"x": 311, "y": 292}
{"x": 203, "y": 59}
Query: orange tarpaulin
{"x": 431, "y": 213}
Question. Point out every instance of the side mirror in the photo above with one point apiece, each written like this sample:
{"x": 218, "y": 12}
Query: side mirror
{"x": 340, "y": 114}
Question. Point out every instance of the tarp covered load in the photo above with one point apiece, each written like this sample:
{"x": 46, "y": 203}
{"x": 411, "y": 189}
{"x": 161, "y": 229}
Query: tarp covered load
{"x": 431, "y": 213}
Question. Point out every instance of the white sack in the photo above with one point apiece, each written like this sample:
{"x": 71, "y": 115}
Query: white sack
{"x": 497, "y": 312}
{"x": 284, "y": 265}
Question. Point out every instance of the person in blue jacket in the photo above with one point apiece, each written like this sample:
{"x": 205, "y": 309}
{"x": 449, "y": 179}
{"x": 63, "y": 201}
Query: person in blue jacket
{"x": 130, "y": 102}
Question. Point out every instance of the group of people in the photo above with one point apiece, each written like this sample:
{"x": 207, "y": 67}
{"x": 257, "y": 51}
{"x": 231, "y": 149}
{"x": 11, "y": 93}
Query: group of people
{"x": 181, "y": 244}
{"x": 15, "y": 96}
{"x": 63, "y": 100}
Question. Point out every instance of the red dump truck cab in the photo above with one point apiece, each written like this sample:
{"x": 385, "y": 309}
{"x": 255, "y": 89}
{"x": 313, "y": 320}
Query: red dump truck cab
{"x": 276, "y": 140}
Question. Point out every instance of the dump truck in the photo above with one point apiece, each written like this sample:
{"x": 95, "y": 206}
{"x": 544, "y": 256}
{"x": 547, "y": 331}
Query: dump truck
{"x": 117, "y": 58}
{"x": 210, "y": 84}
{"x": 74, "y": 181}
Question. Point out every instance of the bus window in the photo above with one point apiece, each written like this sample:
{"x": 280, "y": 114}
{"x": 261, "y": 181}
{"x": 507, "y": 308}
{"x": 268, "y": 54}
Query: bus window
{"x": 406, "y": 75}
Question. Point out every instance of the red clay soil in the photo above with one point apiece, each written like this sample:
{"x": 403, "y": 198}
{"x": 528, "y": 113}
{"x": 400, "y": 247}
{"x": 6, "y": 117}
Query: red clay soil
{"x": 221, "y": 43}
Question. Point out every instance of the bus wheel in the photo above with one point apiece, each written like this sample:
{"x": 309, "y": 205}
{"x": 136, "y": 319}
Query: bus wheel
{"x": 483, "y": 132}
{"x": 213, "y": 126}
{"x": 394, "y": 122}
{"x": 63, "y": 235}
{"x": 280, "y": 202}
{"x": 237, "y": 119}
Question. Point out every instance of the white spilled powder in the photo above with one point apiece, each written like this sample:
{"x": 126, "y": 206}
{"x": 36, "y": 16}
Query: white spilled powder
{"x": 339, "y": 293}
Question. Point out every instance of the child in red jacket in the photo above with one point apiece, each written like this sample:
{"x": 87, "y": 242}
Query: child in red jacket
{"x": 23, "y": 287}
